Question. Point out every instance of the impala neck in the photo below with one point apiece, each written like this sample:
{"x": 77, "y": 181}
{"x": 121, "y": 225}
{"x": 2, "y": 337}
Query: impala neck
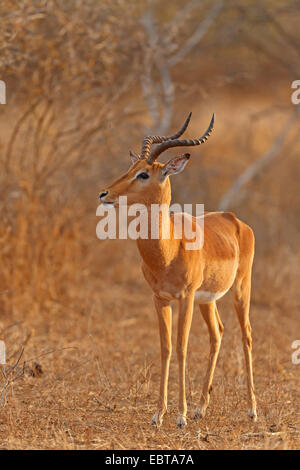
{"x": 158, "y": 253}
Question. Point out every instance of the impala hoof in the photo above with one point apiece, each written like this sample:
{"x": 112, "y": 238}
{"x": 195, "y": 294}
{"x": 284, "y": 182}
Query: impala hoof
{"x": 157, "y": 419}
{"x": 181, "y": 422}
{"x": 252, "y": 415}
{"x": 199, "y": 413}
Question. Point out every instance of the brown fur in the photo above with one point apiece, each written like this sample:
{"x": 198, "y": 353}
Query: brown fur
{"x": 175, "y": 273}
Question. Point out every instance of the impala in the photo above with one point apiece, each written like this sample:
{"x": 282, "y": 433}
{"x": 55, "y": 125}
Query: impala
{"x": 201, "y": 276}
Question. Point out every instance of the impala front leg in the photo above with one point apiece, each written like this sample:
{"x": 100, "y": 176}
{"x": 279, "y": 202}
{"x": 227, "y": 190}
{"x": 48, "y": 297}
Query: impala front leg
{"x": 215, "y": 327}
{"x": 184, "y": 324}
{"x": 164, "y": 313}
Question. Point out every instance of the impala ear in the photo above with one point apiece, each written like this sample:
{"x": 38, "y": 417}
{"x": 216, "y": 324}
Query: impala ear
{"x": 134, "y": 158}
{"x": 175, "y": 165}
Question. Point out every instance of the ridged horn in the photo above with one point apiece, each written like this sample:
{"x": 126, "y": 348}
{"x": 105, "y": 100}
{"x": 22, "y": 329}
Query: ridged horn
{"x": 156, "y": 139}
{"x": 180, "y": 143}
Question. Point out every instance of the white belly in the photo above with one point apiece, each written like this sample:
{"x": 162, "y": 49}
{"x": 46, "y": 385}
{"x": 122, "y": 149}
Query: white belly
{"x": 204, "y": 297}
{"x": 201, "y": 296}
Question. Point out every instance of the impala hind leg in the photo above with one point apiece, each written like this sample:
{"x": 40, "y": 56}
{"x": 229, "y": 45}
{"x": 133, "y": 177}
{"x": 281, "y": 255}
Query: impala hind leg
{"x": 215, "y": 328}
{"x": 164, "y": 314}
{"x": 241, "y": 292}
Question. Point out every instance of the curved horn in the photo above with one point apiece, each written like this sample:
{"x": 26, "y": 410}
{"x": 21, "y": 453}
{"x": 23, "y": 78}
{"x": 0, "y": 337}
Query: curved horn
{"x": 156, "y": 139}
{"x": 180, "y": 143}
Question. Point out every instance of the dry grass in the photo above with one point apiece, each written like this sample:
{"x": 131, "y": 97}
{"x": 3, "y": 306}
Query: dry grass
{"x": 101, "y": 393}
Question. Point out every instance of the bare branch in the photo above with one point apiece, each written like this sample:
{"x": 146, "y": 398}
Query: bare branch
{"x": 161, "y": 109}
{"x": 182, "y": 14}
{"x": 154, "y": 55}
{"x": 253, "y": 169}
{"x": 147, "y": 83}
{"x": 198, "y": 34}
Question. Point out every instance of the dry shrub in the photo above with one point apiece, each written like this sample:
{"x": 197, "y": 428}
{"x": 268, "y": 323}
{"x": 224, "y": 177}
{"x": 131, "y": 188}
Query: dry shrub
{"x": 77, "y": 61}
{"x": 40, "y": 250}
{"x": 74, "y": 45}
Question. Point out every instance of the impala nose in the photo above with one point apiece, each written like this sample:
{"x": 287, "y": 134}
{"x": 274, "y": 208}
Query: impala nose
{"x": 102, "y": 195}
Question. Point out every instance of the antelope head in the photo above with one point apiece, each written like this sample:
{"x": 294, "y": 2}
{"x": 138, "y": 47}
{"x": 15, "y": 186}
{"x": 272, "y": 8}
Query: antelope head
{"x": 147, "y": 181}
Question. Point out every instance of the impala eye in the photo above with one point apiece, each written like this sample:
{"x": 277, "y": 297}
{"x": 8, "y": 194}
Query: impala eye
{"x": 143, "y": 176}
